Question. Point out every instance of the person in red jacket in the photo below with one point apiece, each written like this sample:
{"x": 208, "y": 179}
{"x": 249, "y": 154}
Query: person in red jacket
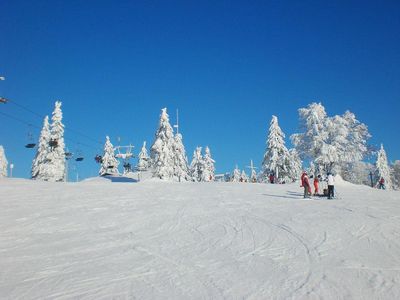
{"x": 316, "y": 182}
{"x": 302, "y": 177}
{"x": 306, "y": 184}
{"x": 381, "y": 184}
{"x": 271, "y": 178}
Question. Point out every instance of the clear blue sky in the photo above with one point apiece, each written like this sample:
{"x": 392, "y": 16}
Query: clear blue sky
{"x": 227, "y": 65}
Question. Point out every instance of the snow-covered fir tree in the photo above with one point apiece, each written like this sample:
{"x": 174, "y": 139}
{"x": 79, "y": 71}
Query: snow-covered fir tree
{"x": 253, "y": 176}
{"x": 396, "y": 175}
{"x": 244, "y": 177}
{"x": 294, "y": 164}
{"x": 209, "y": 168}
{"x": 346, "y": 142}
{"x": 56, "y": 155}
{"x": 311, "y": 143}
{"x": 312, "y": 169}
{"x": 382, "y": 169}
{"x": 357, "y": 137}
{"x": 276, "y": 155}
{"x": 197, "y": 165}
{"x": 236, "y": 175}
{"x": 144, "y": 159}
{"x": 40, "y": 164}
{"x": 3, "y": 162}
{"x": 109, "y": 164}
{"x": 162, "y": 150}
{"x": 181, "y": 168}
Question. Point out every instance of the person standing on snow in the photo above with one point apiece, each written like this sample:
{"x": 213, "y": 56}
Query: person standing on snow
{"x": 316, "y": 182}
{"x": 306, "y": 184}
{"x": 271, "y": 178}
{"x": 331, "y": 188}
{"x": 381, "y": 184}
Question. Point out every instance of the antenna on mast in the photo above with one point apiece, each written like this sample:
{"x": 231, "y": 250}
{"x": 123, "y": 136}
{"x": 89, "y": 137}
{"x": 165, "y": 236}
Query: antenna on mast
{"x": 177, "y": 121}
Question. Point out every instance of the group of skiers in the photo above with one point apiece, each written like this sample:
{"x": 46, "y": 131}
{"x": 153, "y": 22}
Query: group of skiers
{"x": 305, "y": 183}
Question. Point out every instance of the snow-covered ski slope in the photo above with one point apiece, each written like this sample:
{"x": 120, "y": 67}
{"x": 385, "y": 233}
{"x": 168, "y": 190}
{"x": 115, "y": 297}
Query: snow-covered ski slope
{"x": 161, "y": 240}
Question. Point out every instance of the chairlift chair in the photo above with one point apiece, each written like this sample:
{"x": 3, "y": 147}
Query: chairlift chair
{"x": 79, "y": 156}
{"x": 30, "y": 143}
{"x": 98, "y": 159}
{"x": 53, "y": 143}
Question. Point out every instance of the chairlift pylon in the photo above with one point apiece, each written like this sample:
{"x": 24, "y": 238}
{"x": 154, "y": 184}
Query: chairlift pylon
{"x": 125, "y": 156}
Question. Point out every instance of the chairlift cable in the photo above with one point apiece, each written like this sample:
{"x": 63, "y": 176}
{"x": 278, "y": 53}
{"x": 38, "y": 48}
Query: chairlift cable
{"x": 38, "y": 127}
{"x": 41, "y": 118}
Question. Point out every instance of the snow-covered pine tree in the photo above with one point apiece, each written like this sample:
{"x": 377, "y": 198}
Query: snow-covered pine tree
{"x": 382, "y": 169}
{"x": 253, "y": 176}
{"x": 162, "y": 150}
{"x": 56, "y": 155}
{"x": 244, "y": 177}
{"x": 3, "y": 163}
{"x": 311, "y": 144}
{"x": 40, "y": 164}
{"x": 209, "y": 168}
{"x": 236, "y": 175}
{"x": 312, "y": 169}
{"x": 181, "y": 169}
{"x": 396, "y": 175}
{"x": 357, "y": 137}
{"x": 109, "y": 164}
{"x": 294, "y": 166}
{"x": 144, "y": 159}
{"x": 197, "y": 165}
{"x": 276, "y": 154}
{"x": 354, "y": 146}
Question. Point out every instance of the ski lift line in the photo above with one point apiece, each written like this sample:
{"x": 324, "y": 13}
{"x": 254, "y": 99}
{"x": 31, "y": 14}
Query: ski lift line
{"x": 19, "y": 120}
{"x": 26, "y": 109}
{"x": 41, "y": 117}
{"x": 38, "y": 127}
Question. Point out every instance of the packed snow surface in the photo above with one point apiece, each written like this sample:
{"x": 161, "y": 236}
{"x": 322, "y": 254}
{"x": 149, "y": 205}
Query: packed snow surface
{"x": 101, "y": 239}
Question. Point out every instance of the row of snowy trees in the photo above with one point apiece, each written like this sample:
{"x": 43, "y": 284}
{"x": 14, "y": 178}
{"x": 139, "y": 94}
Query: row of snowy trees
{"x": 338, "y": 144}
{"x": 167, "y": 158}
{"x": 330, "y": 144}
{"x": 49, "y": 162}
{"x": 335, "y": 144}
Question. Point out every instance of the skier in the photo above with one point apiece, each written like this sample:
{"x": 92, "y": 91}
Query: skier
{"x": 306, "y": 184}
{"x": 381, "y": 184}
{"x": 331, "y": 188}
{"x": 316, "y": 182}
